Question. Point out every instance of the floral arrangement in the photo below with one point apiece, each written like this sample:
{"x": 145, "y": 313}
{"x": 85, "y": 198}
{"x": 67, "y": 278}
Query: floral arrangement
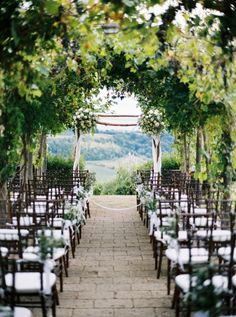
{"x": 75, "y": 214}
{"x": 170, "y": 228}
{"x": 203, "y": 295}
{"x": 150, "y": 122}
{"x": 85, "y": 120}
{"x": 151, "y": 205}
{"x": 70, "y": 213}
{"x": 80, "y": 192}
{"x": 46, "y": 243}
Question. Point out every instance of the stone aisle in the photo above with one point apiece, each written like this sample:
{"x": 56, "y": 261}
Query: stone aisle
{"x": 113, "y": 272}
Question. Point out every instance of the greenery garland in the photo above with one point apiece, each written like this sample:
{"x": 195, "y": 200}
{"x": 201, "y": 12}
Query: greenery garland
{"x": 151, "y": 122}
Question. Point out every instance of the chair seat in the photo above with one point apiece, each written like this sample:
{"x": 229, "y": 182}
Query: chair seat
{"x": 200, "y": 210}
{"x": 4, "y": 251}
{"x": 22, "y": 312}
{"x": 154, "y": 221}
{"x": 218, "y": 235}
{"x": 12, "y": 234}
{"x": 200, "y": 221}
{"x": 58, "y": 234}
{"x": 165, "y": 211}
{"x": 60, "y": 222}
{"x": 159, "y": 235}
{"x": 224, "y": 252}
{"x": 181, "y": 256}
{"x": 29, "y": 282}
{"x": 25, "y": 221}
{"x": 182, "y": 235}
{"x": 183, "y": 282}
{"x": 32, "y": 253}
{"x": 16, "y": 312}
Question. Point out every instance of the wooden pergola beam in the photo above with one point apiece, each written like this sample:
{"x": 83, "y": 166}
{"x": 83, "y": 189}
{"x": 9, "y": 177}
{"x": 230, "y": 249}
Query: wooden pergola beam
{"x": 118, "y": 124}
{"x": 117, "y": 116}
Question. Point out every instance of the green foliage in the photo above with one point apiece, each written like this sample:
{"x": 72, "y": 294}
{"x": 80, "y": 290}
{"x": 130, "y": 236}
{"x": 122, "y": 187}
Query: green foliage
{"x": 97, "y": 189}
{"x": 145, "y": 166}
{"x": 152, "y": 205}
{"x": 58, "y": 163}
{"x": 46, "y": 245}
{"x": 204, "y": 296}
{"x": 170, "y": 162}
{"x": 90, "y": 181}
{"x": 122, "y": 185}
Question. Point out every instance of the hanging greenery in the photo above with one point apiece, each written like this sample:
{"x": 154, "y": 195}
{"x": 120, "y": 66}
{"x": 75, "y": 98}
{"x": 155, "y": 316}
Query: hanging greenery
{"x": 151, "y": 122}
{"x": 85, "y": 120}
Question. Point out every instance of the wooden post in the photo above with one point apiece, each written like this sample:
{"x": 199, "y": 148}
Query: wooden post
{"x": 156, "y": 153}
{"x": 77, "y": 150}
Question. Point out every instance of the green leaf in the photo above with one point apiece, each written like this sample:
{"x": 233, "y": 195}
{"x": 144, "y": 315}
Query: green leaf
{"x": 52, "y": 7}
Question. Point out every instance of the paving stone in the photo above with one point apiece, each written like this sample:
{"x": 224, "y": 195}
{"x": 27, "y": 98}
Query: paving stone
{"x": 113, "y": 303}
{"x": 135, "y": 312}
{"x": 79, "y": 303}
{"x": 92, "y": 313}
{"x": 99, "y": 294}
{"x": 113, "y": 272}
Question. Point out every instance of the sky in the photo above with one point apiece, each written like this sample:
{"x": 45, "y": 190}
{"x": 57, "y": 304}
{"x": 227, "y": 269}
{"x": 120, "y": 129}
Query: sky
{"x": 127, "y": 106}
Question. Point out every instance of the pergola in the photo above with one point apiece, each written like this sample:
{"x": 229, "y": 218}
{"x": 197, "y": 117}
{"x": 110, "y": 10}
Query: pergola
{"x": 122, "y": 120}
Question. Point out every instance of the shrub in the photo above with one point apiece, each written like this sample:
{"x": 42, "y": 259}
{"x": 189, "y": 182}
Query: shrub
{"x": 170, "y": 162}
{"x": 97, "y": 189}
{"x": 61, "y": 164}
{"x": 145, "y": 166}
{"x": 122, "y": 185}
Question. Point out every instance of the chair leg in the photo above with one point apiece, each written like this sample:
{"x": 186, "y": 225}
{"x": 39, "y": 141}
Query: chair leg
{"x": 61, "y": 274}
{"x": 43, "y": 305}
{"x": 65, "y": 265}
{"x": 55, "y": 294}
{"x": 168, "y": 277}
{"x": 174, "y": 298}
{"x": 160, "y": 261}
{"x": 155, "y": 255}
{"x": 78, "y": 236}
{"x": 88, "y": 208}
{"x": 177, "y": 303}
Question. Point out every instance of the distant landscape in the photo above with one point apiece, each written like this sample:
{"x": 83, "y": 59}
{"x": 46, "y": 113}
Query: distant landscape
{"x": 105, "y": 151}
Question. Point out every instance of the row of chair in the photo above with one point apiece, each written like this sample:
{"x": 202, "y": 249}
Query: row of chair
{"x": 44, "y": 225}
{"x": 194, "y": 230}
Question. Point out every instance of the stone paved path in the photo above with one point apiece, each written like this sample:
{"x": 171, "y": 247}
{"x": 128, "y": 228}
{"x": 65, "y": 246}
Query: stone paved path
{"x": 113, "y": 272}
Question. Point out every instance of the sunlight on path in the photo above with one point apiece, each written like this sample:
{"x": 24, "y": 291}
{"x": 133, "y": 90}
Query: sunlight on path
{"x": 113, "y": 272}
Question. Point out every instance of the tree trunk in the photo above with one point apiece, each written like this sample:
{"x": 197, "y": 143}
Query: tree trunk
{"x": 198, "y": 149}
{"x": 4, "y": 204}
{"x": 186, "y": 153}
{"x": 207, "y": 153}
{"x": 41, "y": 161}
{"x": 26, "y": 162}
{"x": 156, "y": 154}
{"x": 77, "y": 150}
{"x": 226, "y": 149}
